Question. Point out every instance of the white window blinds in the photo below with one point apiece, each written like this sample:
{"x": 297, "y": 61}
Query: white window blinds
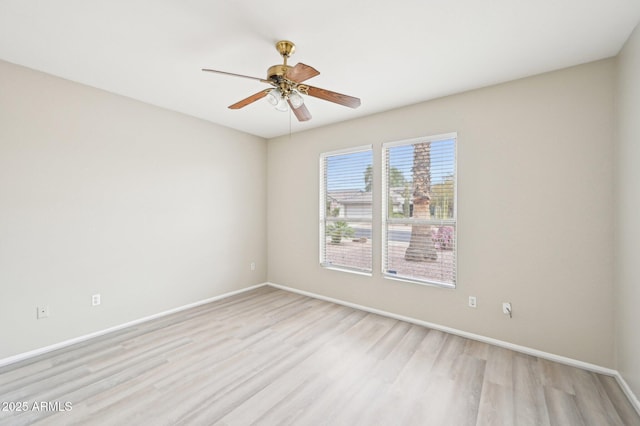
{"x": 419, "y": 210}
{"x": 345, "y": 209}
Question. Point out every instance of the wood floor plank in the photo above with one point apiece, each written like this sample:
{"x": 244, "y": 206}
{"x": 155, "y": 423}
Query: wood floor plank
{"x": 269, "y": 357}
{"x": 529, "y": 403}
{"x": 562, "y": 407}
{"x": 499, "y": 369}
{"x": 496, "y": 406}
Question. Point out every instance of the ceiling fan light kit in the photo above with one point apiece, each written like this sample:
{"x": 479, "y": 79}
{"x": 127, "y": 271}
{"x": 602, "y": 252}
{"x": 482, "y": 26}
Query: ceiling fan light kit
{"x": 296, "y": 100}
{"x": 280, "y": 100}
{"x": 287, "y": 85}
{"x": 277, "y": 99}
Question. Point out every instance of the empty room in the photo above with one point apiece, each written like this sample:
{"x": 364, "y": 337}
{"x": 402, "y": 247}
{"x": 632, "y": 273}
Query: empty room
{"x": 331, "y": 213}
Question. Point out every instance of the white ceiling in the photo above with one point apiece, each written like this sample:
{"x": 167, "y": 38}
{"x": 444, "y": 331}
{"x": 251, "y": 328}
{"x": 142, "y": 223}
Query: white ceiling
{"x": 389, "y": 54}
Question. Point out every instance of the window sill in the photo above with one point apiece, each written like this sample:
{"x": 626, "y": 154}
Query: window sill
{"x": 416, "y": 281}
{"x": 344, "y": 269}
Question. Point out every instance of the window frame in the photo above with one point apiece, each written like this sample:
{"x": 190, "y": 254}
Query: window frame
{"x": 386, "y": 220}
{"x": 323, "y": 215}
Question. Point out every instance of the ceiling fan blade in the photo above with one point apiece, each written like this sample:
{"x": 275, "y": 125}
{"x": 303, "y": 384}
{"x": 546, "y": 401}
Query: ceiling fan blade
{"x": 301, "y": 72}
{"x": 328, "y": 95}
{"x": 302, "y": 113}
{"x": 236, "y": 75}
{"x": 243, "y": 103}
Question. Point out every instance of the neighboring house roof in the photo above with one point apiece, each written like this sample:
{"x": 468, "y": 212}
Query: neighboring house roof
{"x": 351, "y": 196}
{"x": 357, "y": 196}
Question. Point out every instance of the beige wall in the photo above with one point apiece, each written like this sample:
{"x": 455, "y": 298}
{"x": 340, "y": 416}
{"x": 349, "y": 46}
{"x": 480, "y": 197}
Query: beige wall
{"x": 627, "y": 247}
{"x": 535, "y": 211}
{"x": 103, "y": 194}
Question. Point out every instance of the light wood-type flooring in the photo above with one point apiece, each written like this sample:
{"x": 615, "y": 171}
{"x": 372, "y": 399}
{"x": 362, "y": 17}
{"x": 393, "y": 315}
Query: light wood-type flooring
{"x": 272, "y": 357}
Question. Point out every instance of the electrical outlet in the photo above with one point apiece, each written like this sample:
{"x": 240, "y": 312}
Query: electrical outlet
{"x": 95, "y": 300}
{"x": 253, "y": 266}
{"x": 472, "y": 302}
{"x": 42, "y": 311}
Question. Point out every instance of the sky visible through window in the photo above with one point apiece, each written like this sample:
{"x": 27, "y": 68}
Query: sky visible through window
{"x": 357, "y": 163}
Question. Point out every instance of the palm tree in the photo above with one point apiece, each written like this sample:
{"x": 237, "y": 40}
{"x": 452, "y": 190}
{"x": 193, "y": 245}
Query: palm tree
{"x": 421, "y": 247}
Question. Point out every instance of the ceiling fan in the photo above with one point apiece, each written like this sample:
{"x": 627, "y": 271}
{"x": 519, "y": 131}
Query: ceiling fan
{"x": 288, "y": 88}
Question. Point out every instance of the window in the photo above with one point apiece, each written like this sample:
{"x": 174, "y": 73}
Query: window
{"x": 345, "y": 209}
{"x": 419, "y": 210}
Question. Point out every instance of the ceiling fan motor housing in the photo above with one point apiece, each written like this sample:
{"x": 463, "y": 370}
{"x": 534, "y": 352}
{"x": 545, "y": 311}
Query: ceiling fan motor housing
{"x": 276, "y": 73}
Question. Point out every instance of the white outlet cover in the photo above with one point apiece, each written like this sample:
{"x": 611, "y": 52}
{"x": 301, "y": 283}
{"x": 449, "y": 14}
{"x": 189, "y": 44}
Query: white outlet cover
{"x": 473, "y": 302}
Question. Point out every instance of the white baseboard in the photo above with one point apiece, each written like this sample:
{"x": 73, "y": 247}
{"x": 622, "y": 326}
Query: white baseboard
{"x": 478, "y": 337}
{"x": 40, "y": 351}
{"x": 633, "y": 399}
{"x": 518, "y": 348}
